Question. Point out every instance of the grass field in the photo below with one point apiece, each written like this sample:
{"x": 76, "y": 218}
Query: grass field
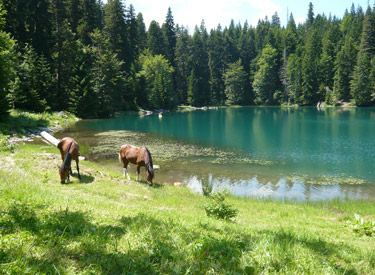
{"x": 108, "y": 225}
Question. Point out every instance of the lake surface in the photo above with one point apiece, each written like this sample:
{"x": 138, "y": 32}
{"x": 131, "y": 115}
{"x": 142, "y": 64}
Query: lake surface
{"x": 282, "y": 153}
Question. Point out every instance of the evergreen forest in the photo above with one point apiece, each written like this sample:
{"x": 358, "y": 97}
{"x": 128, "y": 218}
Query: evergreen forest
{"x": 95, "y": 60}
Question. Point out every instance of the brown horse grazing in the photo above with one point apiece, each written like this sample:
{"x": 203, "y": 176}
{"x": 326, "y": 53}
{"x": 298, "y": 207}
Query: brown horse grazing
{"x": 69, "y": 150}
{"x": 139, "y": 156}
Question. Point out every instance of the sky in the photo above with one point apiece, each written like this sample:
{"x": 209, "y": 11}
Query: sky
{"x": 191, "y": 12}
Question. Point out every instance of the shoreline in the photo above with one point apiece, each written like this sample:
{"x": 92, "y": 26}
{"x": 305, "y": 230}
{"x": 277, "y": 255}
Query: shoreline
{"x": 27, "y": 126}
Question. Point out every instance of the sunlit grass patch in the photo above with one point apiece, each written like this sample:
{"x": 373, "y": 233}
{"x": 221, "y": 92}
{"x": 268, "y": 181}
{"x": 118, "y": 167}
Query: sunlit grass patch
{"x": 21, "y": 122}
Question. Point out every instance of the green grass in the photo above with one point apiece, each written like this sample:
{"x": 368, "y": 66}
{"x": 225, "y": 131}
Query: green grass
{"x": 108, "y": 225}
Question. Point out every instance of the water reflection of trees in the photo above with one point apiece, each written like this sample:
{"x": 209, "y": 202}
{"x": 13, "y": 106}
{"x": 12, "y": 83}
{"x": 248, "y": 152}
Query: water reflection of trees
{"x": 281, "y": 188}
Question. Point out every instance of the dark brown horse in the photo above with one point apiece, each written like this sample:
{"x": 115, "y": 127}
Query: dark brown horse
{"x": 139, "y": 156}
{"x": 69, "y": 150}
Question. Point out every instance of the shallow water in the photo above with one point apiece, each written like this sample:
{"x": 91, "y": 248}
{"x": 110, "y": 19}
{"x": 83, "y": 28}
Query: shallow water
{"x": 273, "y": 152}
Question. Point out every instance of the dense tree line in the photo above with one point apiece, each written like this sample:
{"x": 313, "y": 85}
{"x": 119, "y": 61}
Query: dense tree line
{"x": 96, "y": 59}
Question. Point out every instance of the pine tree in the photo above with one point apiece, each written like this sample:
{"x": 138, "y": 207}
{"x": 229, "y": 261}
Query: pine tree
{"x": 194, "y": 97}
{"x": 216, "y": 63}
{"x": 326, "y": 66}
{"x": 89, "y": 20}
{"x": 344, "y": 66}
{"x": 310, "y": 72}
{"x": 368, "y": 34}
{"x": 235, "y": 80}
{"x": 141, "y": 33}
{"x": 261, "y": 34}
{"x": 108, "y": 87}
{"x": 155, "y": 39}
{"x": 132, "y": 24}
{"x": 29, "y": 22}
{"x": 291, "y": 36}
{"x": 294, "y": 78}
{"x": 73, "y": 13}
{"x": 32, "y": 85}
{"x": 247, "y": 54}
{"x": 266, "y": 78}
{"x": 310, "y": 16}
{"x": 199, "y": 89}
{"x": 44, "y": 84}
{"x": 361, "y": 84}
{"x": 157, "y": 73}
{"x": 6, "y": 66}
{"x": 183, "y": 63}
{"x": 116, "y": 30}
{"x": 64, "y": 62}
{"x": 231, "y": 54}
{"x": 169, "y": 31}
{"x": 81, "y": 81}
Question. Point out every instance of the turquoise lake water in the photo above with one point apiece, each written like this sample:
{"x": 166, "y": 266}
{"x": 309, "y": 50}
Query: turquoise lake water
{"x": 300, "y": 153}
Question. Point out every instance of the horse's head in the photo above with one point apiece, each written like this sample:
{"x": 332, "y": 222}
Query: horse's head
{"x": 64, "y": 173}
{"x": 149, "y": 178}
{"x": 149, "y": 167}
{"x": 149, "y": 174}
{"x": 65, "y": 166}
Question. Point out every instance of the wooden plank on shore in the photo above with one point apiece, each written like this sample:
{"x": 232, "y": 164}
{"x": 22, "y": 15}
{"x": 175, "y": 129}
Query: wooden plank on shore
{"x": 49, "y": 138}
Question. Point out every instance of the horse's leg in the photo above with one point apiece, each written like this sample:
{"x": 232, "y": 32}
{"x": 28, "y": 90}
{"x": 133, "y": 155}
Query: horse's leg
{"x": 126, "y": 174}
{"x": 79, "y": 176}
{"x": 138, "y": 170}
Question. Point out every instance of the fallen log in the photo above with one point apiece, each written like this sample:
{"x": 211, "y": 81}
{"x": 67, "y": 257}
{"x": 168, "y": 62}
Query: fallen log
{"x": 49, "y": 138}
{"x": 54, "y": 141}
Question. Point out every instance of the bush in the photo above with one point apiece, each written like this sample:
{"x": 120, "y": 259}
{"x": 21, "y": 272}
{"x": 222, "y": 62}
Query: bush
{"x": 207, "y": 186}
{"x": 361, "y": 226}
{"x": 5, "y": 146}
{"x": 218, "y": 208}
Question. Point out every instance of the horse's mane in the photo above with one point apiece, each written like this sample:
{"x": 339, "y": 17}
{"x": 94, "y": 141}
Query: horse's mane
{"x": 68, "y": 159}
{"x": 149, "y": 165}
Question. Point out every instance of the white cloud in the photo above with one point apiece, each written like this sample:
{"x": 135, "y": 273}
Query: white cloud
{"x": 300, "y": 20}
{"x": 191, "y": 12}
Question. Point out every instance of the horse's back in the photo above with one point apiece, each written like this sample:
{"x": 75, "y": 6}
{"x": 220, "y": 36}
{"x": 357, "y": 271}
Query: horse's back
{"x": 63, "y": 145}
{"x": 130, "y": 153}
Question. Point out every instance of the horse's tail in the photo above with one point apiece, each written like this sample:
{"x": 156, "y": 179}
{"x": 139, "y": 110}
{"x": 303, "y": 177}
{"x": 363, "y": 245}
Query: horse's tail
{"x": 149, "y": 165}
{"x": 120, "y": 158}
{"x": 119, "y": 154}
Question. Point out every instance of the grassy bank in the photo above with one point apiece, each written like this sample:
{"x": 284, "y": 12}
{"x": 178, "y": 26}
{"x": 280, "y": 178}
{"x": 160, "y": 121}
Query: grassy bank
{"x": 108, "y": 225}
{"x": 20, "y": 122}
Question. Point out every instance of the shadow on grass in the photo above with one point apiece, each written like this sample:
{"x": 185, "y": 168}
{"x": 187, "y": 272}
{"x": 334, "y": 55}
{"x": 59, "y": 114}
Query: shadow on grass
{"x": 142, "y": 244}
{"x": 154, "y": 184}
{"x": 20, "y": 123}
{"x": 85, "y": 178}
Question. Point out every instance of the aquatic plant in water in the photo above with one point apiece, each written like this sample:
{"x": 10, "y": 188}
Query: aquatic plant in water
{"x": 325, "y": 180}
{"x": 165, "y": 149}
